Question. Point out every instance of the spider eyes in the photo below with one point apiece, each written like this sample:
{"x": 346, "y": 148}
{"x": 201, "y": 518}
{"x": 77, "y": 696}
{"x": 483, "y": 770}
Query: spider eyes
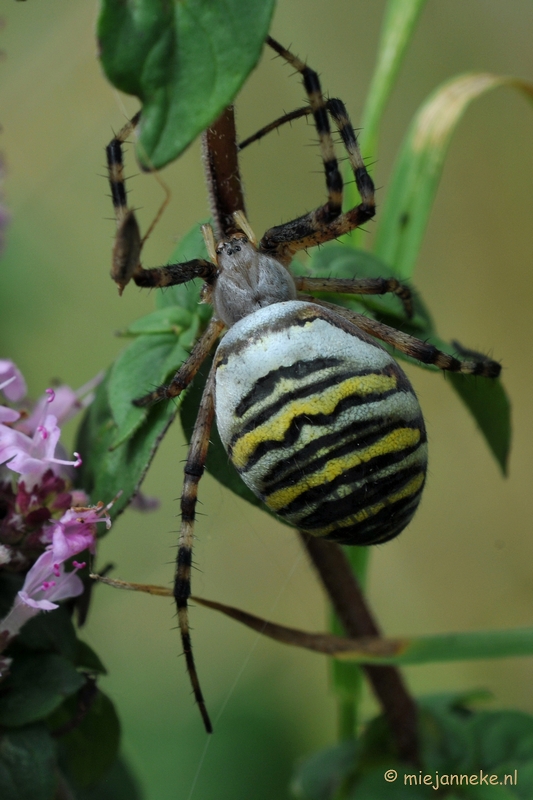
{"x": 228, "y": 250}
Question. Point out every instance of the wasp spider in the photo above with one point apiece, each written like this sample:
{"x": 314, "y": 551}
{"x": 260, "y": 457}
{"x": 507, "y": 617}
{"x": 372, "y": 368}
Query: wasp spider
{"x": 319, "y": 420}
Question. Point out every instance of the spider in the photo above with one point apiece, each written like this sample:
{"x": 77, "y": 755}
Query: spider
{"x": 318, "y": 418}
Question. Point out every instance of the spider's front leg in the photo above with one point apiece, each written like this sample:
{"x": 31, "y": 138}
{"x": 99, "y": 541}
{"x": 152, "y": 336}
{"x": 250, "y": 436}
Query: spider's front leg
{"x": 126, "y": 259}
{"x": 359, "y": 286}
{"x": 326, "y": 222}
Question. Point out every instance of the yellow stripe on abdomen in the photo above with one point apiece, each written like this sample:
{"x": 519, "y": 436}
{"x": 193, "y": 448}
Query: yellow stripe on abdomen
{"x": 275, "y": 428}
{"x": 394, "y": 442}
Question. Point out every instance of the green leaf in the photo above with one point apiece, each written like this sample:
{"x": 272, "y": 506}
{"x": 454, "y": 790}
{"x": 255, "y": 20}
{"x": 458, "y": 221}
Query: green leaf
{"x": 446, "y": 743}
{"x": 27, "y": 764}
{"x": 418, "y": 169}
{"x": 517, "y": 780}
{"x": 320, "y": 776}
{"x": 452, "y": 647}
{"x": 117, "y": 784}
{"x": 185, "y": 295}
{"x": 503, "y": 737}
{"x": 185, "y": 61}
{"x": 494, "y": 792}
{"x": 117, "y": 440}
{"x": 399, "y": 23}
{"x": 339, "y": 261}
{"x": 374, "y": 785}
{"x": 145, "y": 364}
{"x": 488, "y": 403}
{"x": 52, "y": 632}
{"x": 486, "y": 399}
{"x": 87, "y": 660}
{"x": 90, "y": 749}
{"x": 171, "y": 319}
{"x": 105, "y": 472}
{"x": 36, "y": 686}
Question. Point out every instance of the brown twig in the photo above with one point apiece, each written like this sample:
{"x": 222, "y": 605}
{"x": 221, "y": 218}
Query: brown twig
{"x": 351, "y": 608}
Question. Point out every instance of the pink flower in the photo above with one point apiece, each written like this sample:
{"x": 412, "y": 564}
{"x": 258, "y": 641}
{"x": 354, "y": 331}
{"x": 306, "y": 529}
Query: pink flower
{"x": 75, "y": 531}
{"x": 32, "y": 457}
{"x": 8, "y": 415}
{"x": 63, "y": 402}
{"x": 48, "y": 581}
{"x": 43, "y": 586}
{"x": 12, "y": 384}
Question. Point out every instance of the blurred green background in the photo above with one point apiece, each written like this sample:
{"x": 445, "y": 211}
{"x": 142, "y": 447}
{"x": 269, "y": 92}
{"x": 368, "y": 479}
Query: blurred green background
{"x": 466, "y": 560}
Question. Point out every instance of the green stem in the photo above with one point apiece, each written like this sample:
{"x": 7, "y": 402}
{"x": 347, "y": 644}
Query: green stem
{"x": 398, "y": 26}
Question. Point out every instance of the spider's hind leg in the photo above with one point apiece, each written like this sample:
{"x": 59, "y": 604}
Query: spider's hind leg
{"x": 474, "y": 363}
{"x": 194, "y": 468}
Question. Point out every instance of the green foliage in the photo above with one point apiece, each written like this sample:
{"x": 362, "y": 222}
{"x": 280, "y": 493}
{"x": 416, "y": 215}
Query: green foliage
{"x": 37, "y": 685}
{"x": 184, "y": 60}
{"x": 56, "y": 727}
{"x": 116, "y": 784}
{"x": 27, "y": 763}
{"x": 119, "y": 440}
{"x": 403, "y": 220}
{"x": 107, "y": 473}
{"x": 90, "y": 749}
{"x": 455, "y": 741}
{"x": 399, "y": 23}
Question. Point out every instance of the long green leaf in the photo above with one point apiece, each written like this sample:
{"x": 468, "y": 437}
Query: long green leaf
{"x": 418, "y": 169}
{"x": 399, "y": 23}
{"x": 185, "y": 61}
{"x": 461, "y": 647}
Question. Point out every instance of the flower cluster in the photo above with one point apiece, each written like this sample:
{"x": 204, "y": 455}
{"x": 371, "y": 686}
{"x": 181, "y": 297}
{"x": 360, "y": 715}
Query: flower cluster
{"x": 44, "y": 524}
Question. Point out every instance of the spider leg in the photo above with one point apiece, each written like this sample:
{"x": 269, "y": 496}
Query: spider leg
{"x": 410, "y": 346}
{"x": 359, "y": 286}
{"x": 188, "y": 369}
{"x": 128, "y": 244}
{"x": 283, "y": 241}
{"x": 182, "y": 583}
{"x": 305, "y": 111}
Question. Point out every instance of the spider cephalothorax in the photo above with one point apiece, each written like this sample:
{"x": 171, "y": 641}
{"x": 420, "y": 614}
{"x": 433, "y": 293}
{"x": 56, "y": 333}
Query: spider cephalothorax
{"x": 247, "y": 280}
{"x": 317, "y": 417}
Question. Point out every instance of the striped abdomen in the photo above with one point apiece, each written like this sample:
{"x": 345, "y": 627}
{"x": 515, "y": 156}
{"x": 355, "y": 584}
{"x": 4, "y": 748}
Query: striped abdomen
{"x": 321, "y": 423}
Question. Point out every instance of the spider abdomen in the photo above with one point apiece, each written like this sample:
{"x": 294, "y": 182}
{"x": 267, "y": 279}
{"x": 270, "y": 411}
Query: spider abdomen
{"x": 321, "y": 423}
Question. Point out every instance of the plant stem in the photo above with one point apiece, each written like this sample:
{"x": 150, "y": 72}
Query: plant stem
{"x": 351, "y": 608}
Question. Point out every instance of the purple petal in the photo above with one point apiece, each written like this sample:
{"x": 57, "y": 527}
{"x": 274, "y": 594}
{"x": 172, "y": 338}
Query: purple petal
{"x": 16, "y": 389}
